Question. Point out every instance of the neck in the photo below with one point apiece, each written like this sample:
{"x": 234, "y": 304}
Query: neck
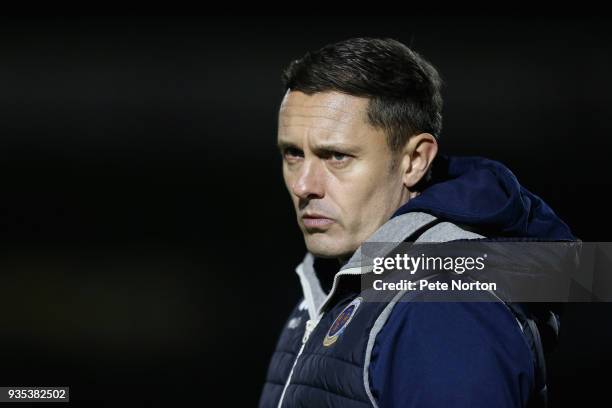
{"x": 344, "y": 259}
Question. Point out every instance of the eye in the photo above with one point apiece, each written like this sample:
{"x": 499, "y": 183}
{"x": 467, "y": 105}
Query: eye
{"x": 338, "y": 159}
{"x": 292, "y": 154}
{"x": 337, "y": 156}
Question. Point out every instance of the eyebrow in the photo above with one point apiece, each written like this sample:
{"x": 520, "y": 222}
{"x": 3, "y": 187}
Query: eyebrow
{"x": 282, "y": 145}
{"x": 323, "y": 147}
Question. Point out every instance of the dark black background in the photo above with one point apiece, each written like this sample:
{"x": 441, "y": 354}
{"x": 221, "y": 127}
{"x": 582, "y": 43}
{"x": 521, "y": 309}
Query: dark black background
{"x": 148, "y": 244}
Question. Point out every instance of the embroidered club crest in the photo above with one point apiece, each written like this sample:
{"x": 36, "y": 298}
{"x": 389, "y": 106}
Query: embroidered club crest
{"x": 343, "y": 319}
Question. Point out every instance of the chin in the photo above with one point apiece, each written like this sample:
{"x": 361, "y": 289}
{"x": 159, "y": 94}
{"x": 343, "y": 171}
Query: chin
{"x": 327, "y": 247}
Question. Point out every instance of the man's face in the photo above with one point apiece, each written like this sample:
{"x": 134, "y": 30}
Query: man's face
{"x": 337, "y": 169}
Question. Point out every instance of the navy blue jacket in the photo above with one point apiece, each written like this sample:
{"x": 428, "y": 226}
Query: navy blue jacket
{"x": 455, "y": 341}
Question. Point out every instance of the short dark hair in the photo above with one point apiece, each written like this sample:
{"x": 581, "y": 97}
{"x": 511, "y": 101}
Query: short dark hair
{"x": 403, "y": 88}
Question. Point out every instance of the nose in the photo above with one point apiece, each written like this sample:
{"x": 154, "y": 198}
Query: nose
{"x": 309, "y": 183}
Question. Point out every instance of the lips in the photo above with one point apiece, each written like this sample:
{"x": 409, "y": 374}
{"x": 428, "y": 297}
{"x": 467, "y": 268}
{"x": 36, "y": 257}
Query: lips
{"x": 316, "y": 221}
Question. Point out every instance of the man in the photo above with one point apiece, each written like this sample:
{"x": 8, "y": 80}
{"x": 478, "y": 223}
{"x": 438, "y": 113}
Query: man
{"x": 358, "y": 133}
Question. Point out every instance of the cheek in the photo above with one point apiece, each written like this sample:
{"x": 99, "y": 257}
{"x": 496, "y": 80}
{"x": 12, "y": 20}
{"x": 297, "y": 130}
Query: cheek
{"x": 354, "y": 200}
{"x": 367, "y": 198}
{"x": 288, "y": 179}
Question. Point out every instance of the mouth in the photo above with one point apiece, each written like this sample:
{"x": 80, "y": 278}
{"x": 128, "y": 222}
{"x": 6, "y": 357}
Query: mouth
{"x": 316, "y": 221}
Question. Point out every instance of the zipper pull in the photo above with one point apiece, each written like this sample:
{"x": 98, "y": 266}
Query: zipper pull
{"x": 310, "y": 325}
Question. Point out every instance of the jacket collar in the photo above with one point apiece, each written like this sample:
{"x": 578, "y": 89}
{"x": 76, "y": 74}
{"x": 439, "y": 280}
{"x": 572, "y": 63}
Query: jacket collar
{"x": 387, "y": 237}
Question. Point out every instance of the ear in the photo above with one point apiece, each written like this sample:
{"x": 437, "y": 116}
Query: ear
{"x": 418, "y": 154}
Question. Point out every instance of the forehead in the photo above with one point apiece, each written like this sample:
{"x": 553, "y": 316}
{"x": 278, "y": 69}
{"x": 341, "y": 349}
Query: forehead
{"x": 333, "y": 104}
{"x": 324, "y": 114}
